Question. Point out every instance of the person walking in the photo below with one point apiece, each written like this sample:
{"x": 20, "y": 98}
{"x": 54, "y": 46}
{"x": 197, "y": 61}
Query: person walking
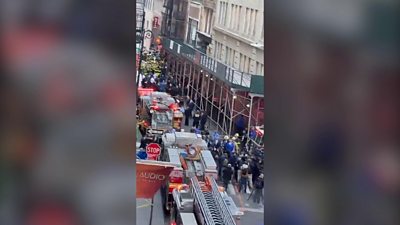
{"x": 258, "y": 188}
{"x": 227, "y": 175}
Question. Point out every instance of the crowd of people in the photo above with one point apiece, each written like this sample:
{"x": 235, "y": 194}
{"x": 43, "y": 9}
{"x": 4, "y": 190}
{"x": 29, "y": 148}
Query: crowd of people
{"x": 239, "y": 160}
{"x": 240, "y": 163}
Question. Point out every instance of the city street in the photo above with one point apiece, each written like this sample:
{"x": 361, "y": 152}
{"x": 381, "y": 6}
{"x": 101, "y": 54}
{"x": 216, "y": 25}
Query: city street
{"x": 253, "y": 213}
{"x": 187, "y": 68}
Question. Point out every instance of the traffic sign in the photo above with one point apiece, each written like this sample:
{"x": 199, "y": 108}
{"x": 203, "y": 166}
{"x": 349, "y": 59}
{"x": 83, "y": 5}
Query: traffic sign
{"x": 153, "y": 150}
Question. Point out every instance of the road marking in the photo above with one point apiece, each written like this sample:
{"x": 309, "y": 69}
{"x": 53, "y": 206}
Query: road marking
{"x": 252, "y": 210}
{"x": 143, "y": 206}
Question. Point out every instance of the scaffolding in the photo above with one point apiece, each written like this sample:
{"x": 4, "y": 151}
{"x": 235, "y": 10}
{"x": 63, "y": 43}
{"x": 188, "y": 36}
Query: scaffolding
{"x": 223, "y": 100}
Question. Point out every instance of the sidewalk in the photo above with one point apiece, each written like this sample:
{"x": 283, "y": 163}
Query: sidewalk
{"x": 253, "y": 213}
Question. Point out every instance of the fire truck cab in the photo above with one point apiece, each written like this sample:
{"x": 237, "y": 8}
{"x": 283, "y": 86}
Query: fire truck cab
{"x": 160, "y": 112}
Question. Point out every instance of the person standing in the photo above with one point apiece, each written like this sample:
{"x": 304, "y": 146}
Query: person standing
{"x": 227, "y": 175}
{"x": 188, "y": 114}
{"x": 259, "y": 186}
{"x": 255, "y": 171}
{"x": 196, "y": 119}
{"x": 244, "y": 178}
{"x": 252, "y": 133}
{"x": 240, "y": 124}
{"x": 203, "y": 120}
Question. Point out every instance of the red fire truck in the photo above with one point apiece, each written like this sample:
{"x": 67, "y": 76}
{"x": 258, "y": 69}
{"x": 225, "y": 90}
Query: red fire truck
{"x": 188, "y": 153}
{"x": 159, "y": 112}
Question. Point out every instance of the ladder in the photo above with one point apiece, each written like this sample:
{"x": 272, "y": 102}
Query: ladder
{"x": 212, "y": 206}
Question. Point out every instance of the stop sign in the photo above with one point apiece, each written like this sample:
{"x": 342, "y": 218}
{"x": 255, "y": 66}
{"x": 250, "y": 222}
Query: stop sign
{"x": 153, "y": 150}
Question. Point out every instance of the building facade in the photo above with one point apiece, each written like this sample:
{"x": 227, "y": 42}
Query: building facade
{"x": 148, "y": 22}
{"x": 200, "y": 23}
{"x": 238, "y": 35}
{"x": 174, "y": 19}
{"x": 217, "y": 59}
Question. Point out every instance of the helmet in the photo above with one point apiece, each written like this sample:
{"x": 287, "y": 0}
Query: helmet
{"x": 233, "y": 138}
{"x": 226, "y": 137}
{"x": 236, "y": 135}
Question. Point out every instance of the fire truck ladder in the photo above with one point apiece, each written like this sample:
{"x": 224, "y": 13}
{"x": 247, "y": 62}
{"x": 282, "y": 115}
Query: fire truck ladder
{"x": 212, "y": 206}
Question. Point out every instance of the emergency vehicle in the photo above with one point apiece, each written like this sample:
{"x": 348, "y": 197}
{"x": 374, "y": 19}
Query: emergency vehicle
{"x": 159, "y": 111}
{"x": 203, "y": 204}
{"x": 189, "y": 154}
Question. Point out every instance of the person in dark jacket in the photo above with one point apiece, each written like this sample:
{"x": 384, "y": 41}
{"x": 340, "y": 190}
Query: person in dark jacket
{"x": 258, "y": 188}
{"x": 227, "y": 175}
{"x": 240, "y": 124}
{"x": 203, "y": 121}
{"x": 196, "y": 119}
{"x": 220, "y": 164}
{"x": 191, "y": 104}
{"x": 255, "y": 171}
{"x": 188, "y": 114}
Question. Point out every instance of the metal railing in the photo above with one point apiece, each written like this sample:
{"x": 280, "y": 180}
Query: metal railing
{"x": 235, "y": 78}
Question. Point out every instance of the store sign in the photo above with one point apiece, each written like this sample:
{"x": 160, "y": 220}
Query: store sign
{"x": 150, "y": 177}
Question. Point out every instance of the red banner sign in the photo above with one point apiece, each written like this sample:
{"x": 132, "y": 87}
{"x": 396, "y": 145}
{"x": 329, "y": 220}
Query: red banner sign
{"x": 153, "y": 150}
{"x": 150, "y": 177}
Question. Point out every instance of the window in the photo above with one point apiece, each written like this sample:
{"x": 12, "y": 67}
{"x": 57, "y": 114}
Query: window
{"x": 226, "y": 14}
{"x": 251, "y": 22}
{"x": 248, "y": 64}
{"x": 220, "y": 13}
{"x": 226, "y": 54}
{"x": 233, "y": 57}
{"x": 232, "y": 16}
{"x": 257, "y": 68}
{"x": 255, "y": 19}
{"x": 248, "y": 18}
{"x": 262, "y": 31}
{"x": 240, "y": 62}
{"x": 180, "y": 7}
{"x": 262, "y": 69}
{"x": 240, "y": 17}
